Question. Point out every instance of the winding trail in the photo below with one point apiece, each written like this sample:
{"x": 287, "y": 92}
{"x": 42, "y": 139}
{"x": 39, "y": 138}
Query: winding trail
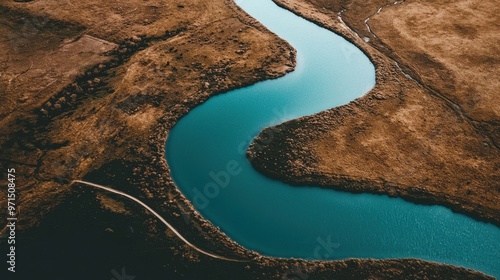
{"x": 379, "y": 10}
{"x": 457, "y": 108}
{"x": 367, "y": 40}
{"x": 111, "y": 190}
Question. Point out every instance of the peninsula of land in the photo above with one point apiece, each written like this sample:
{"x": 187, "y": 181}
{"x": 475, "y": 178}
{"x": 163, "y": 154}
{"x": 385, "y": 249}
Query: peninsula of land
{"x": 427, "y": 132}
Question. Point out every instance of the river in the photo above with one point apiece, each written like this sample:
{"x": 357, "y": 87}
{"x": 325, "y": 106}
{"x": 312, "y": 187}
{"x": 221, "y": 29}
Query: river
{"x": 206, "y": 154}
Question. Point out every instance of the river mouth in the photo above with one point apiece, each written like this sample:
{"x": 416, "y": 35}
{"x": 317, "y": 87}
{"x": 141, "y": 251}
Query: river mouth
{"x": 206, "y": 154}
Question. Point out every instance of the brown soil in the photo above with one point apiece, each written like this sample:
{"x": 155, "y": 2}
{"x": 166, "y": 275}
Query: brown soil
{"x": 90, "y": 91}
{"x": 427, "y": 133}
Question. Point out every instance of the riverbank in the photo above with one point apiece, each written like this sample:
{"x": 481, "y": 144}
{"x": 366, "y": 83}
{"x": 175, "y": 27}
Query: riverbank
{"x": 107, "y": 121}
{"x": 412, "y": 136}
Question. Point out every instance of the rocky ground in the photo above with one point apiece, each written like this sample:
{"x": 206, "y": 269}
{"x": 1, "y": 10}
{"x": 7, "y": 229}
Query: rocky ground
{"x": 90, "y": 91}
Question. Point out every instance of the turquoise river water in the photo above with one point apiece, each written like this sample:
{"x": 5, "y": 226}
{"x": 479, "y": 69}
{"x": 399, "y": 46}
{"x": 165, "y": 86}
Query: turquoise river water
{"x": 206, "y": 153}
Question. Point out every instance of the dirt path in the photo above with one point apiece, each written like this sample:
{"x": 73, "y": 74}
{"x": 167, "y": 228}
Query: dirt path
{"x": 111, "y": 190}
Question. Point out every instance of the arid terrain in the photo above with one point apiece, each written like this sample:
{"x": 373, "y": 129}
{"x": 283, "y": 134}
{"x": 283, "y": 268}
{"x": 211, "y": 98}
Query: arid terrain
{"x": 91, "y": 89}
{"x": 428, "y": 131}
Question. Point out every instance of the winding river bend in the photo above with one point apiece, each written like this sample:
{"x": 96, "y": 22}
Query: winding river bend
{"x": 206, "y": 154}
